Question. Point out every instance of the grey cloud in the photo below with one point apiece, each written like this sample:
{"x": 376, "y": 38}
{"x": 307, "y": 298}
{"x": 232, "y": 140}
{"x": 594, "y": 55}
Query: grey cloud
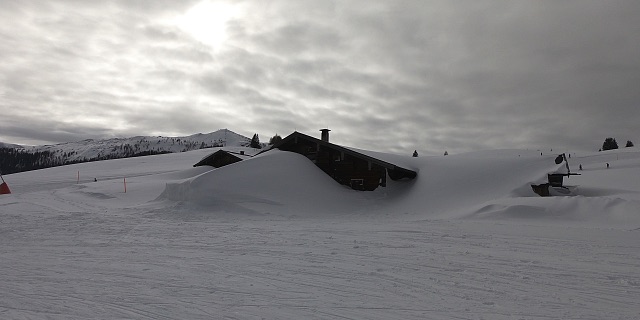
{"x": 388, "y": 76}
{"x": 237, "y": 94}
{"x": 299, "y": 39}
{"x": 41, "y": 131}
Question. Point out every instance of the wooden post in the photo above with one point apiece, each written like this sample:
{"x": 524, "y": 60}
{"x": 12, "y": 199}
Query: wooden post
{"x": 125, "y": 184}
{"x": 78, "y": 180}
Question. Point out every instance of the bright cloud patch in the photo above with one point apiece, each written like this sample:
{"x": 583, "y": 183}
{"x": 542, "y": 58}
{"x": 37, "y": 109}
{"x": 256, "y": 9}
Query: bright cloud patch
{"x": 206, "y": 22}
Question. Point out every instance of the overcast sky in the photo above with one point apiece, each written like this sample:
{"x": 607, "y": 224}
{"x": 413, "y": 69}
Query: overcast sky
{"x": 389, "y": 76}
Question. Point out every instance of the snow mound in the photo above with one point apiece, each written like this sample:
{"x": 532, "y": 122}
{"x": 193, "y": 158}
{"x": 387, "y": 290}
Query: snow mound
{"x": 448, "y": 185}
{"x": 275, "y": 182}
{"x": 488, "y": 185}
{"x": 480, "y": 185}
{"x": 578, "y": 210}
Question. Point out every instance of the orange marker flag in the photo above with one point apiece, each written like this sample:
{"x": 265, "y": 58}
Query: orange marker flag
{"x": 4, "y": 187}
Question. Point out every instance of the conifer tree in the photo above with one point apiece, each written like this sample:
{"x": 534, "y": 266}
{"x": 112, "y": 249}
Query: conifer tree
{"x": 275, "y": 139}
{"x": 255, "y": 142}
{"x": 609, "y": 144}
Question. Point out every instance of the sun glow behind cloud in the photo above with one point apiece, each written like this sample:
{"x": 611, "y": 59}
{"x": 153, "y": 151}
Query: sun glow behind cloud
{"x": 439, "y": 75}
{"x": 207, "y": 22}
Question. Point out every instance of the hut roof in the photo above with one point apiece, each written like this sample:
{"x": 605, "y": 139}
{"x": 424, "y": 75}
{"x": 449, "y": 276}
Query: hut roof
{"x": 225, "y": 156}
{"x": 292, "y": 138}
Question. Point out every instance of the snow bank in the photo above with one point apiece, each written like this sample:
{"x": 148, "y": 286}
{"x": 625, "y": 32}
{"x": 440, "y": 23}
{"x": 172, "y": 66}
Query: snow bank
{"x": 600, "y": 196}
{"x": 480, "y": 185}
{"x": 486, "y": 185}
{"x": 281, "y": 182}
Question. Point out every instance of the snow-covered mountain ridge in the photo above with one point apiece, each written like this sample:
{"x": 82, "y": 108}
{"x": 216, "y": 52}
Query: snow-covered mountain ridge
{"x": 9, "y": 145}
{"x": 37, "y": 157}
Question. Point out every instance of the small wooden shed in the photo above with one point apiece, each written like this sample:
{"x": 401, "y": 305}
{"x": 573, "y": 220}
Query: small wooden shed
{"x": 219, "y": 159}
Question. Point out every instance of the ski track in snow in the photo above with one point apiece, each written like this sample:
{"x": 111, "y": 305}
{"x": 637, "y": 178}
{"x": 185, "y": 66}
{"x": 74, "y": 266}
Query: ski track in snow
{"x": 83, "y": 252}
{"x": 163, "y": 264}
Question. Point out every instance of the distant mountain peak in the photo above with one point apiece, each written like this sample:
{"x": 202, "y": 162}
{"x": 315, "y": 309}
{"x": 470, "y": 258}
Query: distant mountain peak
{"x": 37, "y": 157}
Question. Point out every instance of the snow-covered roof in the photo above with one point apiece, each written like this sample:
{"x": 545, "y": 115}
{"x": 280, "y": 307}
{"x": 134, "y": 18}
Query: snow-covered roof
{"x": 385, "y": 160}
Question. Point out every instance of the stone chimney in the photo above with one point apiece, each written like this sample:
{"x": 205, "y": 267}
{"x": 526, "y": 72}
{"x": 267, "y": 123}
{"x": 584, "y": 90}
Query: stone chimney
{"x": 325, "y": 135}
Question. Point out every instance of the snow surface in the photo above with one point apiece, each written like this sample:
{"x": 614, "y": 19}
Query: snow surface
{"x": 272, "y": 237}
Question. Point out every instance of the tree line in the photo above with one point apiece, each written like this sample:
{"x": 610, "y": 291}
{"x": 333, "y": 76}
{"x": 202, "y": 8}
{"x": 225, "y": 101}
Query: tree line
{"x": 19, "y": 160}
{"x": 611, "y": 143}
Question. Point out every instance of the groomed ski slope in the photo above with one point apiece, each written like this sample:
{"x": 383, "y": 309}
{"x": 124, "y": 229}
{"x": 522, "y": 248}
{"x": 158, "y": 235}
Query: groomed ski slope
{"x": 273, "y": 237}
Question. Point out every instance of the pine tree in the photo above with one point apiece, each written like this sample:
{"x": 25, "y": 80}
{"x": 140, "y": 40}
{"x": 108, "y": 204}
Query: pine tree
{"x": 629, "y": 144}
{"x": 609, "y": 144}
{"x": 255, "y": 142}
{"x": 275, "y": 139}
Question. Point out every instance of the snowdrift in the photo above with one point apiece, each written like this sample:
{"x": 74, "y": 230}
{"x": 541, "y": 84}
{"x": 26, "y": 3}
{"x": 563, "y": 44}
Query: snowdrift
{"x": 486, "y": 185}
{"x": 480, "y": 185}
{"x": 275, "y": 182}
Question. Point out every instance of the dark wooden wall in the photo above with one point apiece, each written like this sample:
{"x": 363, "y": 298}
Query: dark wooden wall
{"x": 346, "y": 169}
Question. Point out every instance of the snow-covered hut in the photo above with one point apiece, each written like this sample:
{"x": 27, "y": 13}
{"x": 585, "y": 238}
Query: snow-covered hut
{"x": 347, "y": 166}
